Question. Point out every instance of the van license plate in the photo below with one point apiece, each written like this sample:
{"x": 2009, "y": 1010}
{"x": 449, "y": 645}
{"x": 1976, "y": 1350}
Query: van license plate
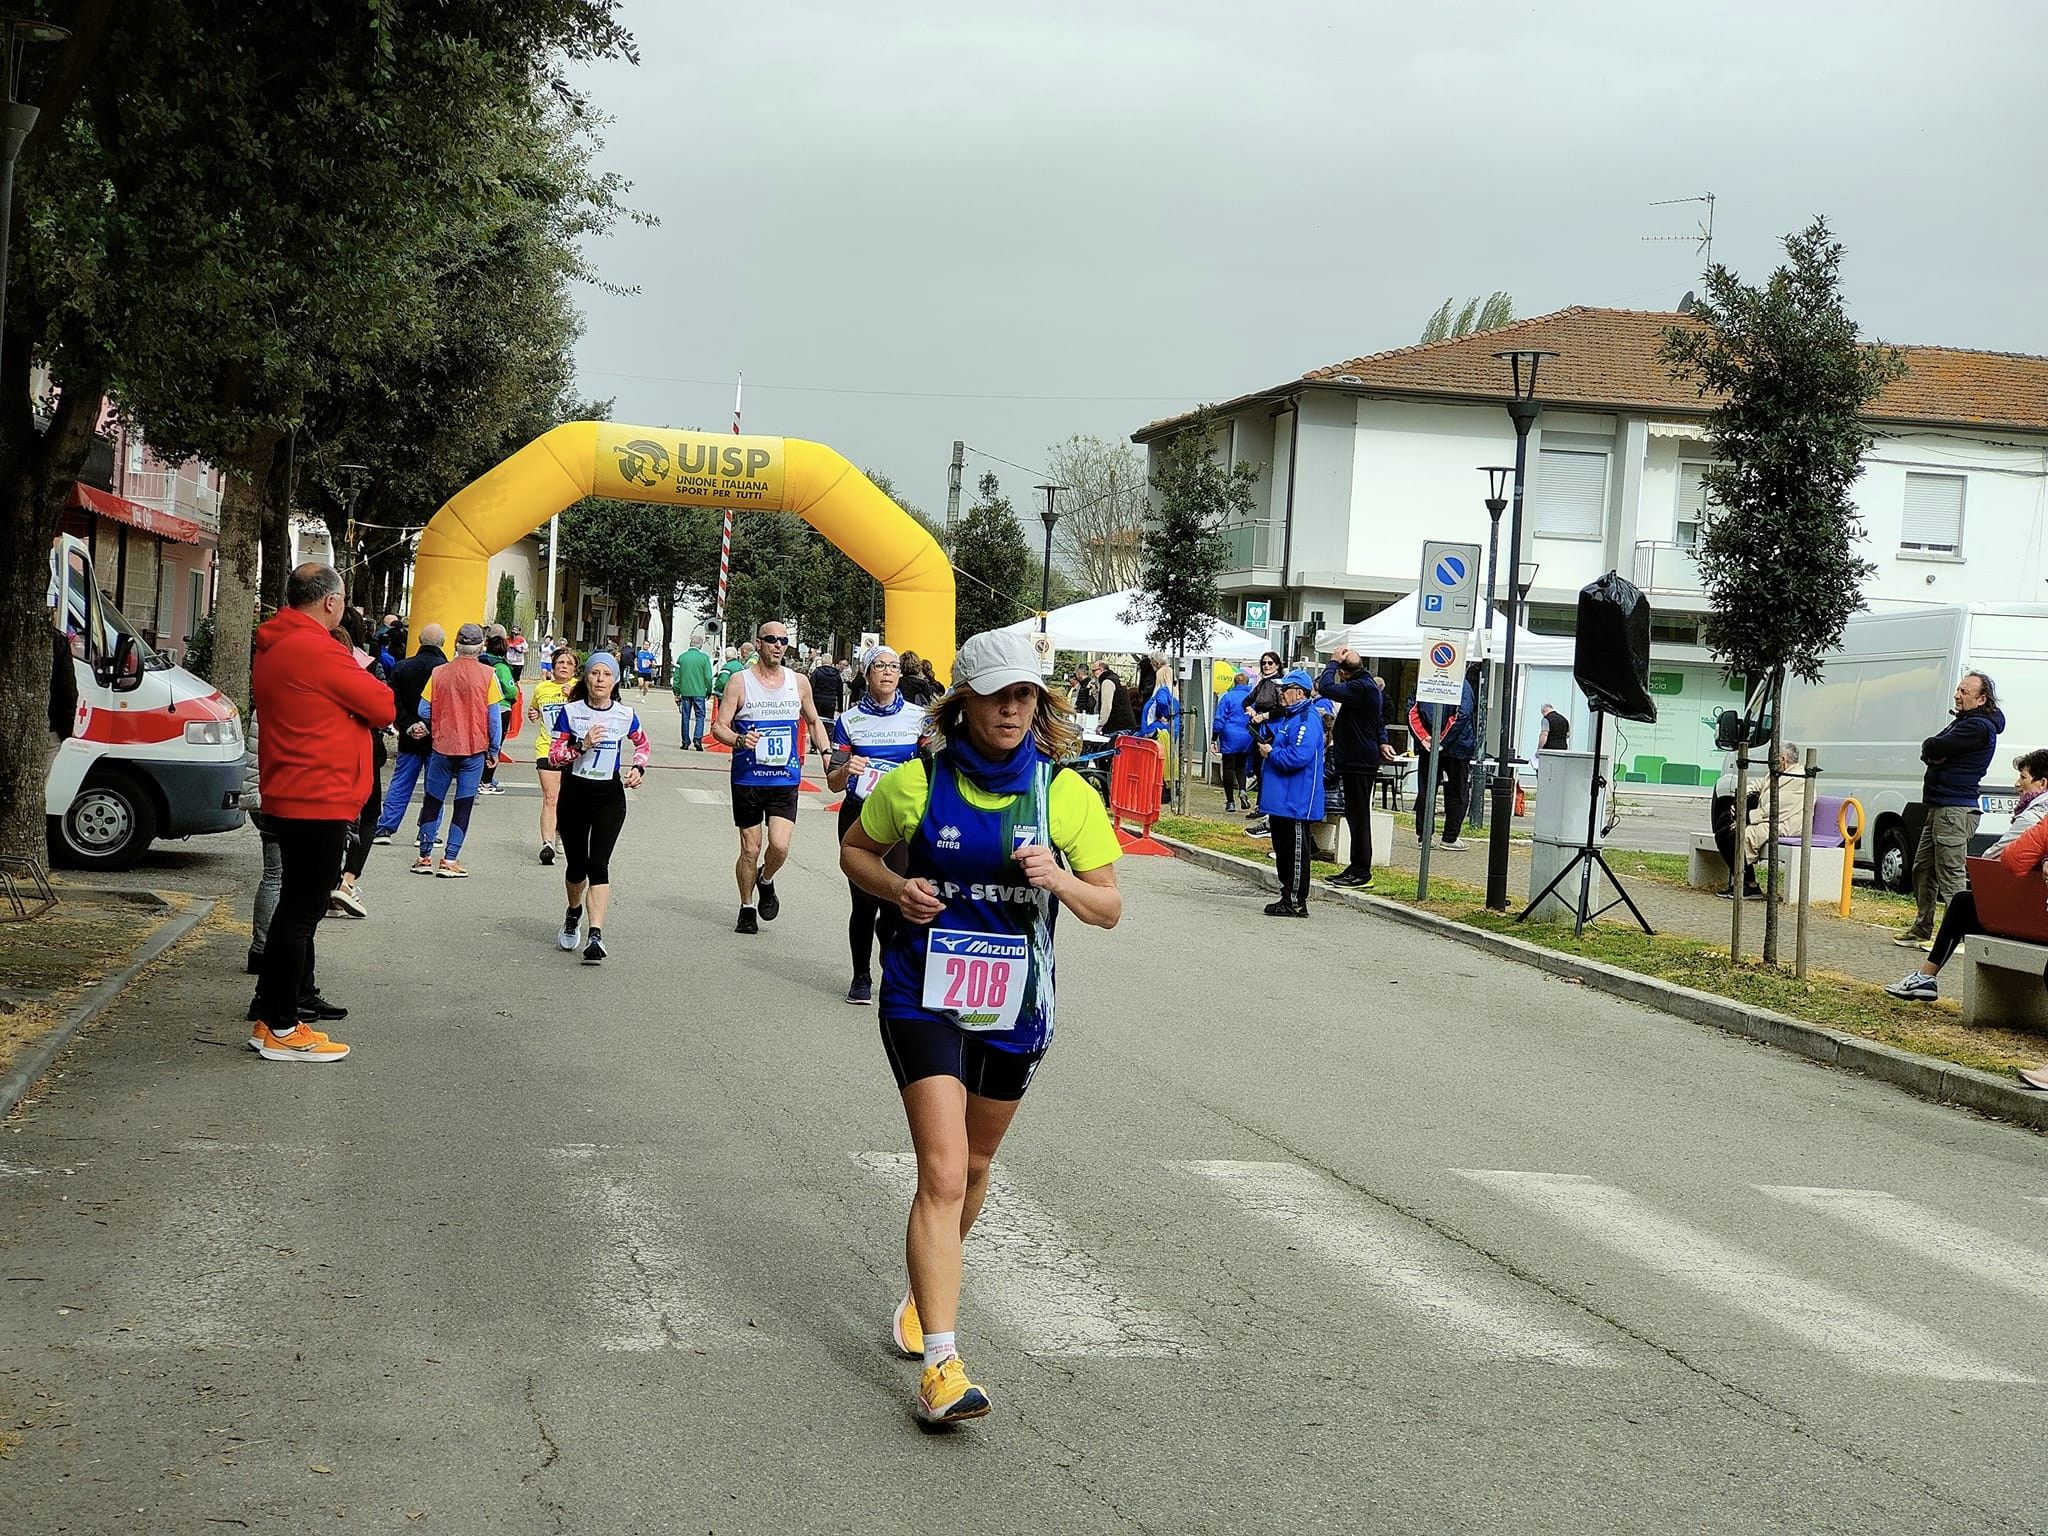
{"x": 1998, "y": 805}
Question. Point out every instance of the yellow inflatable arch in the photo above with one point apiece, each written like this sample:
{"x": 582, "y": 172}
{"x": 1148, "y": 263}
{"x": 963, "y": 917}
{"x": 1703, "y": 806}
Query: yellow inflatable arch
{"x": 685, "y": 469}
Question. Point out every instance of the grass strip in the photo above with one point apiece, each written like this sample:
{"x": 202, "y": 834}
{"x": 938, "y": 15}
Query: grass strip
{"x": 1825, "y": 998}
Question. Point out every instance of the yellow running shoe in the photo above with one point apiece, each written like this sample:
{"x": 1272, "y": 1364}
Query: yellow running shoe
{"x": 907, "y": 1330}
{"x": 946, "y": 1396}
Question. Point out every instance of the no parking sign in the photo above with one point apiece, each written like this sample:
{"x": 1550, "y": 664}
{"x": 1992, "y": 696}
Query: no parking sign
{"x": 1447, "y": 594}
{"x": 1441, "y": 678}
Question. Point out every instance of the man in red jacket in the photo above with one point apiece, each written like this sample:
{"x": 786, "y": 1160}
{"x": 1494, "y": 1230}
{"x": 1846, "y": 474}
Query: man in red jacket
{"x": 313, "y": 767}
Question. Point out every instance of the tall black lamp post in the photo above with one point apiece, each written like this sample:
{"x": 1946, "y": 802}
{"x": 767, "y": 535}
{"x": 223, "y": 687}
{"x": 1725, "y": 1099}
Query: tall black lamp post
{"x": 17, "y": 118}
{"x": 1496, "y": 503}
{"x": 1522, "y": 410}
{"x": 1047, "y": 517}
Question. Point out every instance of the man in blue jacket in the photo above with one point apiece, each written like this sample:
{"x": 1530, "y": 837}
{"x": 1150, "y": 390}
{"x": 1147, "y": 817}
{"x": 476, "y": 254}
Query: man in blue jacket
{"x": 1957, "y": 758}
{"x": 1291, "y": 789}
{"x": 1234, "y": 740}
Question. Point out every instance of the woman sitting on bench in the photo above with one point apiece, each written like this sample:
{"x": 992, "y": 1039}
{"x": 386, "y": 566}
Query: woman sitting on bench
{"x": 2022, "y": 850}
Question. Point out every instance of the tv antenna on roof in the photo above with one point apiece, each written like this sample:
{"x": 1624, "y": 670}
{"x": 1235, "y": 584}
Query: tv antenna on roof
{"x": 1703, "y": 237}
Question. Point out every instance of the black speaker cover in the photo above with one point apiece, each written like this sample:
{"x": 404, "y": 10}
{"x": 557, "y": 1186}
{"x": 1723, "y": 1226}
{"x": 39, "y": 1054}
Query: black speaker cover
{"x": 1611, "y": 660}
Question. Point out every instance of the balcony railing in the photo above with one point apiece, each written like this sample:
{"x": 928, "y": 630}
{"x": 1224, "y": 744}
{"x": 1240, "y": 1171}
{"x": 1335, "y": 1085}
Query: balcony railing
{"x": 1662, "y": 566}
{"x": 170, "y": 492}
{"x": 1252, "y": 547}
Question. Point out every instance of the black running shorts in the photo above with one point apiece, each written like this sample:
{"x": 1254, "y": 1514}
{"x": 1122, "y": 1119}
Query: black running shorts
{"x": 927, "y": 1048}
{"x": 752, "y": 804}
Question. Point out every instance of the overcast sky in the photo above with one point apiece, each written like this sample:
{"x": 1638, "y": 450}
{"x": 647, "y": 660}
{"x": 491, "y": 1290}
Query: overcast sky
{"x": 912, "y": 222}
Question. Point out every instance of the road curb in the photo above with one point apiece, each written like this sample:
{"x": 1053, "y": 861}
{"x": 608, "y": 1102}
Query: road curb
{"x": 22, "y": 1076}
{"x": 1923, "y": 1076}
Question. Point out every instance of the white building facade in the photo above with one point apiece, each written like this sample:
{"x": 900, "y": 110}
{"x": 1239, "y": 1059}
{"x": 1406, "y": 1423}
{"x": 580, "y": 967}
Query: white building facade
{"x": 1360, "y": 462}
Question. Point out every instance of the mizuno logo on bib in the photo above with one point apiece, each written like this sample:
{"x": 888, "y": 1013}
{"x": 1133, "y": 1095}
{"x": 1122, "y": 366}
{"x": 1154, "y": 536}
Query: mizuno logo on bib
{"x": 979, "y": 979}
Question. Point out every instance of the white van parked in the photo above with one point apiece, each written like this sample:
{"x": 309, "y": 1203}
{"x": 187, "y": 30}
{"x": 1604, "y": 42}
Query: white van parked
{"x": 154, "y": 751}
{"x": 1892, "y": 685}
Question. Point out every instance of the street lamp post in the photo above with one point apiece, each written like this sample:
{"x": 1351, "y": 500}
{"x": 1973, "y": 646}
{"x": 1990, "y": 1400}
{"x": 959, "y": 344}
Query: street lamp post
{"x": 1047, "y": 517}
{"x": 1522, "y": 410}
{"x": 17, "y": 119}
{"x": 1496, "y": 503}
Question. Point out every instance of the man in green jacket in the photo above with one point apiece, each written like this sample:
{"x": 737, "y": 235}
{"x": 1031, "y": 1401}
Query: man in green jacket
{"x": 690, "y": 682}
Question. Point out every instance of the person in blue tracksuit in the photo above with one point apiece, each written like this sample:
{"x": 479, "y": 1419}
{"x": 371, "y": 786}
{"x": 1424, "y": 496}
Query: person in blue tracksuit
{"x": 1291, "y": 788}
{"x": 1233, "y": 731}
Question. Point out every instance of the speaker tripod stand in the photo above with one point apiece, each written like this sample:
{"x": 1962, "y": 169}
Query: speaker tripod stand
{"x": 1588, "y": 855}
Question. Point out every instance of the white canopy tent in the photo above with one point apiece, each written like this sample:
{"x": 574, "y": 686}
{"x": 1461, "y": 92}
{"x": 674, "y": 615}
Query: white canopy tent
{"x": 1097, "y": 624}
{"x": 1393, "y": 633}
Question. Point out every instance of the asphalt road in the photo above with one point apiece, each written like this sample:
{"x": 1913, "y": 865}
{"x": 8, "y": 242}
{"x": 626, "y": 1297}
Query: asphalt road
{"x": 1305, "y": 1226}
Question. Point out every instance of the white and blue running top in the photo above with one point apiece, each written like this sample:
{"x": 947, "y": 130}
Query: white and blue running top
{"x": 777, "y": 713}
{"x": 885, "y": 737}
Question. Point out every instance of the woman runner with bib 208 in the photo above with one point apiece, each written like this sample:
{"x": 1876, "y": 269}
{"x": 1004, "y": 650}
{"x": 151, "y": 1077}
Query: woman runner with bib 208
{"x": 996, "y": 838}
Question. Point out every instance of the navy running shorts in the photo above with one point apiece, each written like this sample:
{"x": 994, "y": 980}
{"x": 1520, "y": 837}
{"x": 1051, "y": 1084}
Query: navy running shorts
{"x": 921, "y": 1048}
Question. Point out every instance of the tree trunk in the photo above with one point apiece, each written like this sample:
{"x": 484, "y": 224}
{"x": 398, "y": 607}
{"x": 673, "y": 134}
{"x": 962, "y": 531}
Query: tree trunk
{"x": 36, "y": 473}
{"x": 276, "y": 540}
{"x": 1771, "y": 837}
{"x": 241, "y": 527}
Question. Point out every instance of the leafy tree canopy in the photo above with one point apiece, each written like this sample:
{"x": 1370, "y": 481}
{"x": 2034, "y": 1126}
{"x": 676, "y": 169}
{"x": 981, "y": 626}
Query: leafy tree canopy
{"x": 1198, "y": 495}
{"x": 1778, "y": 556}
{"x": 1486, "y": 314}
{"x": 992, "y": 566}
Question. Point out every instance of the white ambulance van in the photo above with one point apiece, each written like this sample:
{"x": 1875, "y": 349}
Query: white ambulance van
{"x": 154, "y": 751}
{"x": 1891, "y": 685}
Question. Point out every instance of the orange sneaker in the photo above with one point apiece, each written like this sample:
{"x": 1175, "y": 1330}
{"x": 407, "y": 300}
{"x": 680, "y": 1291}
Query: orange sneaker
{"x": 450, "y": 870}
{"x": 302, "y": 1044}
{"x": 259, "y": 1033}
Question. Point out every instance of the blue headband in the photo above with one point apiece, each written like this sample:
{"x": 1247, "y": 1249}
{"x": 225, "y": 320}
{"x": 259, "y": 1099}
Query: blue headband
{"x": 602, "y": 659}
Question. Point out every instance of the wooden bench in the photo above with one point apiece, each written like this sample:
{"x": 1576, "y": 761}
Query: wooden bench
{"x": 2005, "y": 976}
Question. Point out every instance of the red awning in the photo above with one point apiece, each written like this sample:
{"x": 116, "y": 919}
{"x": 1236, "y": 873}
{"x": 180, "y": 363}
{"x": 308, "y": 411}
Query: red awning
{"x": 165, "y": 525}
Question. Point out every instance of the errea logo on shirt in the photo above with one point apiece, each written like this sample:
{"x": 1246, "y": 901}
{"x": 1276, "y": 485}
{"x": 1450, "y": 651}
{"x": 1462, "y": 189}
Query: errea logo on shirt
{"x": 949, "y": 837}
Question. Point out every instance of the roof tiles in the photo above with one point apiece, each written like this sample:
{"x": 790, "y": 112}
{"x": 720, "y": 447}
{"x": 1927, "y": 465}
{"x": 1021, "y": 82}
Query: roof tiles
{"x": 1607, "y": 358}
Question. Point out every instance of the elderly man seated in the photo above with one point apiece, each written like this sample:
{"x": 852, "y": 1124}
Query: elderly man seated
{"x": 1754, "y": 824}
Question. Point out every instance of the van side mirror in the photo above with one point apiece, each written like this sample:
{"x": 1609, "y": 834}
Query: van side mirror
{"x": 122, "y": 671}
{"x": 1730, "y": 730}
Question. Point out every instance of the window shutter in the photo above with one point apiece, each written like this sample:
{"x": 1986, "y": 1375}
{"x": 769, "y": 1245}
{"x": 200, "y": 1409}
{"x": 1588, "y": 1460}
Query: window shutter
{"x": 1571, "y": 493}
{"x": 1934, "y": 514}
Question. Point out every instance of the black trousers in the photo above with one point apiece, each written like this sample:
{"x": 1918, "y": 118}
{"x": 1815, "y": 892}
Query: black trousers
{"x": 1234, "y": 775}
{"x": 1728, "y": 838}
{"x": 871, "y": 918}
{"x": 358, "y": 856}
{"x": 1358, "y": 817}
{"x": 1456, "y": 776}
{"x": 1958, "y": 922}
{"x": 312, "y": 853}
{"x": 1293, "y": 844}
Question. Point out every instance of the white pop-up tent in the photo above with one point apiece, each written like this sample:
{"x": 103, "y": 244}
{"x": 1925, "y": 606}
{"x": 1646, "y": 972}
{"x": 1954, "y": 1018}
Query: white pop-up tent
{"x": 1097, "y": 624}
{"x": 1393, "y": 634}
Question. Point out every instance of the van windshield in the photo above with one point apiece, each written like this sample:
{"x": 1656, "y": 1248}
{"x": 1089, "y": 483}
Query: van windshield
{"x": 117, "y": 625}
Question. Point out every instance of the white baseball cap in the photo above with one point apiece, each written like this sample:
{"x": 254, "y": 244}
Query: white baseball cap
{"x": 991, "y": 662}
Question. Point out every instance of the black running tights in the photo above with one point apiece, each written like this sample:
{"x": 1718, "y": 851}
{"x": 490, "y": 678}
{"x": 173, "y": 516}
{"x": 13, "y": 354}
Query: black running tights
{"x": 871, "y": 917}
{"x": 588, "y": 818}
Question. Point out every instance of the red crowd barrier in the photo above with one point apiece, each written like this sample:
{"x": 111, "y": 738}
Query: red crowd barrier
{"x": 1137, "y": 777}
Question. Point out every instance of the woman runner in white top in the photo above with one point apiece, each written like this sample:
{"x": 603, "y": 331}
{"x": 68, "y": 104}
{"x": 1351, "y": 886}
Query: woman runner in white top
{"x": 600, "y": 745}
